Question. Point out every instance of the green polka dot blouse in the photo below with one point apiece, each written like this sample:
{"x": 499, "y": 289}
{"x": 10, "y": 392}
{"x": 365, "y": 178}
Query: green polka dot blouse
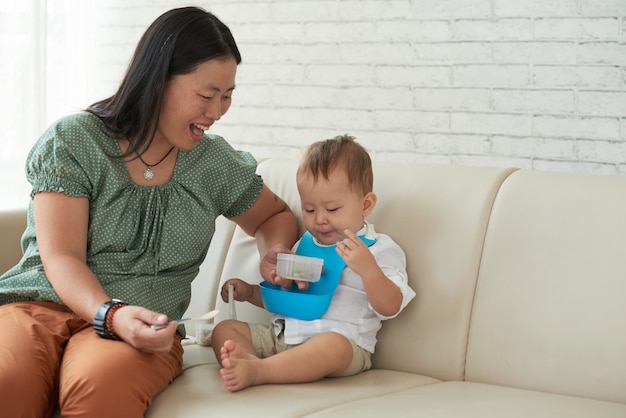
{"x": 145, "y": 243}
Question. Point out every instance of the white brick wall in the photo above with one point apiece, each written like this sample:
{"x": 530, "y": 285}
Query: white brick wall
{"x": 538, "y": 84}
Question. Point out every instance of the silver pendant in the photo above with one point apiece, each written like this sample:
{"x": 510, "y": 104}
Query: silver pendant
{"x": 148, "y": 174}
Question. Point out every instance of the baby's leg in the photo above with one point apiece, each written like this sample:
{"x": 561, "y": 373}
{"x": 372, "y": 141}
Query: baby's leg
{"x": 324, "y": 355}
{"x": 235, "y": 331}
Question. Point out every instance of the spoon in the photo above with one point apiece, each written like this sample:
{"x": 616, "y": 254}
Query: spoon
{"x": 205, "y": 317}
{"x": 232, "y": 313}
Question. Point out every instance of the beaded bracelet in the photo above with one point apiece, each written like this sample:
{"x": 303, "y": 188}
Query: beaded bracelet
{"x": 109, "y": 319}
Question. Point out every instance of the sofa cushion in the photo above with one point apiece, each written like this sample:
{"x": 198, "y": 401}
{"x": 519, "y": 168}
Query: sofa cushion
{"x": 473, "y": 400}
{"x": 199, "y": 392}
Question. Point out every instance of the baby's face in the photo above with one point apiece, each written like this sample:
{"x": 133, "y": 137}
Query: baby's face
{"x": 329, "y": 207}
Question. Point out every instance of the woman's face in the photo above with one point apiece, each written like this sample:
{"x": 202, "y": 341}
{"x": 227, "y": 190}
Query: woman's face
{"x": 193, "y": 102}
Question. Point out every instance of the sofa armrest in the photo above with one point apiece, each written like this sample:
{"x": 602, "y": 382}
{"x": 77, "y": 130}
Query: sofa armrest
{"x": 12, "y": 225}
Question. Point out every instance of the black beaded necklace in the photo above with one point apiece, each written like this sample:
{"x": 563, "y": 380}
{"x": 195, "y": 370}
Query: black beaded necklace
{"x": 148, "y": 174}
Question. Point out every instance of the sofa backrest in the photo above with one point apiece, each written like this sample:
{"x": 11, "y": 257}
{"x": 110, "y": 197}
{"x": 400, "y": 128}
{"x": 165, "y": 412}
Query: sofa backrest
{"x": 519, "y": 274}
{"x": 550, "y": 310}
{"x": 439, "y": 215}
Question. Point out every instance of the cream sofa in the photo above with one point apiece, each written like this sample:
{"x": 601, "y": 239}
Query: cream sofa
{"x": 520, "y": 311}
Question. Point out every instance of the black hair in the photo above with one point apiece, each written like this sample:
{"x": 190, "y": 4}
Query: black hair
{"x": 174, "y": 44}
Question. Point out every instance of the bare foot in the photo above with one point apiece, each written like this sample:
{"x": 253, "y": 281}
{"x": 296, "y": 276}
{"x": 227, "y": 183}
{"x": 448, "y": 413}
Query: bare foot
{"x": 230, "y": 349}
{"x": 239, "y": 368}
{"x": 239, "y": 373}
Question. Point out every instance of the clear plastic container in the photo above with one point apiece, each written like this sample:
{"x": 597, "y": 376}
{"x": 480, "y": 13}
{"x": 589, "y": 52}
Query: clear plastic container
{"x": 298, "y": 267}
{"x": 203, "y": 333}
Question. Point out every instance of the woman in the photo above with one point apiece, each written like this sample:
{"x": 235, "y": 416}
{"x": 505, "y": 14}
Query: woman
{"x": 124, "y": 200}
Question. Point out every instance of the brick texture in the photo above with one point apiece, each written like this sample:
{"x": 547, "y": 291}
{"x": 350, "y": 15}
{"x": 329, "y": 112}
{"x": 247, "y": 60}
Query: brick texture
{"x": 530, "y": 83}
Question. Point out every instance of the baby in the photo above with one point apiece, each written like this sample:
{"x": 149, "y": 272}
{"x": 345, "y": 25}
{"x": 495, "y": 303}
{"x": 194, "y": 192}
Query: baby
{"x": 335, "y": 183}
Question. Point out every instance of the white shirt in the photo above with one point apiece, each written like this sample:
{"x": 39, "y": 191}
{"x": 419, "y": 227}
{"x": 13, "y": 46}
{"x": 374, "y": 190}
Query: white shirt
{"x": 350, "y": 313}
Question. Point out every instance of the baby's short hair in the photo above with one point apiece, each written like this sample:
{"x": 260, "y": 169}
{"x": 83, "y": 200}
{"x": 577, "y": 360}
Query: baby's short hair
{"x": 321, "y": 157}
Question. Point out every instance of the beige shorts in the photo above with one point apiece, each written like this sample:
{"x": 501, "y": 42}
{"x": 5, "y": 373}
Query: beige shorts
{"x": 267, "y": 343}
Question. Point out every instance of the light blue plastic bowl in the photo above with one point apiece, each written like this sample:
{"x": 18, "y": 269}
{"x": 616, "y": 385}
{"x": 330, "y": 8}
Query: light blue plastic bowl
{"x": 306, "y": 305}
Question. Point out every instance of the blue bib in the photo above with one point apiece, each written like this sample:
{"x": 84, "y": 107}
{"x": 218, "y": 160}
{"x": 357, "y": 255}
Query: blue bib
{"x": 333, "y": 263}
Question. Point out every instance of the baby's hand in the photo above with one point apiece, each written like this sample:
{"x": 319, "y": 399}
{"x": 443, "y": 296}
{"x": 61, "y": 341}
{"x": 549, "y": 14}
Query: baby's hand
{"x": 242, "y": 291}
{"x": 355, "y": 253}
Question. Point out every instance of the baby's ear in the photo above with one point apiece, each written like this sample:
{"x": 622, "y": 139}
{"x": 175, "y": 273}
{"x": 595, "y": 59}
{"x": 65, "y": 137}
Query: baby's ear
{"x": 369, "y": 202}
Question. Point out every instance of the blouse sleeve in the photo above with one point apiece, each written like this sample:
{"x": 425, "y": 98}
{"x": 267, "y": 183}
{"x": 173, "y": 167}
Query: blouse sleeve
{"x": 230, "y": 180}
{"x": 53, "y": 163}
{"x": 250, "y": 189}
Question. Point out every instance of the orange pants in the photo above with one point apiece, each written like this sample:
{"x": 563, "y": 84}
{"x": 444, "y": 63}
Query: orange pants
{"x": 50, "y": 357}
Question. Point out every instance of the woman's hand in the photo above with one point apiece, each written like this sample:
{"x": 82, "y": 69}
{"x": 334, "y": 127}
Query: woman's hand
{"x": 268, "y": 265}
{"x": 133, "y": 324}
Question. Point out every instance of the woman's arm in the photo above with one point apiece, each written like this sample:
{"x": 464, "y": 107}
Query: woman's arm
{"x": 273, "y": 225}
{"x": 61, "y": 225}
